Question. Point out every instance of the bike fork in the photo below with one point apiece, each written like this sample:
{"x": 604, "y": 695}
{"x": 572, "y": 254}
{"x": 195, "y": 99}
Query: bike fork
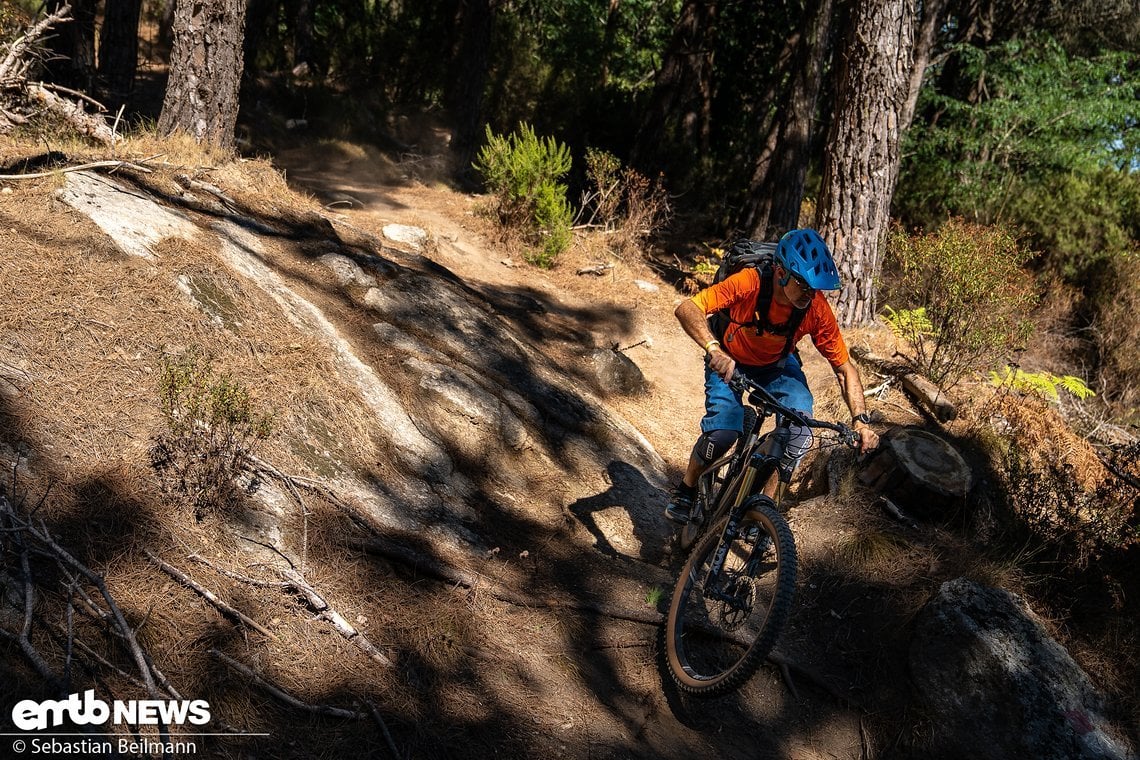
{"x": 731, "y": 529}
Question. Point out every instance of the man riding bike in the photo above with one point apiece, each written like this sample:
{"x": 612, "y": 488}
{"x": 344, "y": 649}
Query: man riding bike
{"x": 762, "y": 347}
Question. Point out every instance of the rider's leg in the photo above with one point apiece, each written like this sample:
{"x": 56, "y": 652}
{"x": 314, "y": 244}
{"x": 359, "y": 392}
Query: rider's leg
{"x": 721, "y": 426}
{"x": 791, "y": 443}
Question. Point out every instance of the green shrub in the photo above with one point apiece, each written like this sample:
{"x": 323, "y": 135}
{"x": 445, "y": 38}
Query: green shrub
{"x": 553, "y": 215}
{"x": 211, "y": 430}
{"x": 523, "y": 171}
{"x": 965, "y": 298}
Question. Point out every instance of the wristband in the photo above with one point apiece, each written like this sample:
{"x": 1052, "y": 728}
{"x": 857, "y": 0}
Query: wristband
{"x": 864, "y": 418}
{"x": 710, "y": 344}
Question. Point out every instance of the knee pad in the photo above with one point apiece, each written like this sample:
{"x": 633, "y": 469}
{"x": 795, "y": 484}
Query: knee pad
{"x": 788, "y": 445}
{"x": 712, "y": 445}
{"x": 797, "y": 442}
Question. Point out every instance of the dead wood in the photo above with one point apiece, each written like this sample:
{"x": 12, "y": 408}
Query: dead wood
{"x": 279, "y": 693}
{"x": 208, "y": 595}
{"x": 928, "y": 394}
{"x": 317, "y": 603}
{"x": 110, "y": 164}
{"x": 18, "y": 60}
{"x": 17, "y": 94}
{"x": 66, "y": 560}
{"x": 325, "y": 612}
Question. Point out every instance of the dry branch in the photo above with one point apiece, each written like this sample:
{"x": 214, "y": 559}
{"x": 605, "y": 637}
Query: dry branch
{"x": 208, "y": 595}
{"x": 16, "y": 63}
{"x": 281, "y": 694}
{"x": 325, "y": 612}
{"x": 317, "y": 603}
{"x": 110, "y": 164}
{"x": 930, "y": 395}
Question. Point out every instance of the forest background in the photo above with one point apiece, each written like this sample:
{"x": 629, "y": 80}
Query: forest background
{"x": 752, "y": 116}
{"x": 926, "y": 141}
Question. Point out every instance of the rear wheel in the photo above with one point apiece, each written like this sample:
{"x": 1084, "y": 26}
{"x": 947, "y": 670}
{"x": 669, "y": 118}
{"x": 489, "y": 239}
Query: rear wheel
{"x": 717, "y": 633}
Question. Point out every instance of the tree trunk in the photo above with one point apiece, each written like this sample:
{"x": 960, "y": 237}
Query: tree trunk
{"x": 467, "y": 83}
{"x": 74, "y": 43}
{"x": 205, "y": 71}
{"x": 933, "y": 13}
{"x": 862, "y": 159}
{"x": 682, "y": 92}
{"x": 119, "y": 48}
{"x": 777, "y": 187}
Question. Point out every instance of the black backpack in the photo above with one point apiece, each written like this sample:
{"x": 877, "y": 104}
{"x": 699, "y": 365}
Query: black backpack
{"x": 762, "y": 256}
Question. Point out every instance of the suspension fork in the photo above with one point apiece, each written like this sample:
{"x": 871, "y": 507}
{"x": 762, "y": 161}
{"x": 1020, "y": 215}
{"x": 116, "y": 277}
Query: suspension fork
{"x": 732, "y": 528}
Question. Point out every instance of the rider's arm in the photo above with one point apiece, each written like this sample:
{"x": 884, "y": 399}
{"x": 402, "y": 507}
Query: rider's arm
{"x": 696, "y": 326}
{"x": 851, "y": 386}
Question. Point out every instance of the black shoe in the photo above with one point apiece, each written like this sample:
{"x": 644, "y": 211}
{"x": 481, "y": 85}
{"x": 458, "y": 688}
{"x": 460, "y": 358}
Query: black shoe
{"x": 680, "y": 505}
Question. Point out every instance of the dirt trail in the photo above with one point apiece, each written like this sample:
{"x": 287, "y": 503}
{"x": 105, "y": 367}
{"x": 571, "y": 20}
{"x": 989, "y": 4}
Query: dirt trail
{"x": 625, "y": 711}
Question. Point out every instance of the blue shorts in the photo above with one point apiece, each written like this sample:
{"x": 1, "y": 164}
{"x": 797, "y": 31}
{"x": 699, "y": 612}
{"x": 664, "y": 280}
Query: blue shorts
{"x": 785, "y": 380}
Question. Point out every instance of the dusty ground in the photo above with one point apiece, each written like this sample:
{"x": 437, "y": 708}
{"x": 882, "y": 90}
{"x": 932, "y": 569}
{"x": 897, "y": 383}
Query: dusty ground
{"x": 475, "y": 674}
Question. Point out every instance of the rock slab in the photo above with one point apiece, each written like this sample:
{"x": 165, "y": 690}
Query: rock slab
{"x": 998, "y": 686}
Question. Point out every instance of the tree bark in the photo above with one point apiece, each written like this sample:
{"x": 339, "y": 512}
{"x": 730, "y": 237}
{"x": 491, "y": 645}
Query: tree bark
{"x": 777, "y": 187}
{"x": 862, "y": 159}
{"x": 119, "y": 47}
{"x": 682, "y": 92}
{"x": 205, "y": 71}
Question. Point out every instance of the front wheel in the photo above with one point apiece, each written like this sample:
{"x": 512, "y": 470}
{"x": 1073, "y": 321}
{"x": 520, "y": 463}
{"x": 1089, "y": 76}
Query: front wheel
{"x": 719, "y": 630}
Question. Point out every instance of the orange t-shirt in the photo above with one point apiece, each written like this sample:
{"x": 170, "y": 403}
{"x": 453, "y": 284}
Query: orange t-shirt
{"x": 739, "y": 292}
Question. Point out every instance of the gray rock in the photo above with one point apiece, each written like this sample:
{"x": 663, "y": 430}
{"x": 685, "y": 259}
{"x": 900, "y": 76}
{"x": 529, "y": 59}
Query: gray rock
{"x": 998, "y": 686}
{"x": 347, "y": 271}
{"x": 617, "y": 373}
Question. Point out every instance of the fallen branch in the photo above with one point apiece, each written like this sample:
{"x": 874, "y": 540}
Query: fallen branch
{"x": 208, "y": 595}
{"x": 325, "y": 612}
{"x": 598, "y": 269}
{"x": 16, "y": 64}
{"x": 317, "y": 603}
{"x": 930, "y": 395}
{"x": 281, "y": 694}
{"x": 86, "y": 124}
{"x": 111, "y": 164}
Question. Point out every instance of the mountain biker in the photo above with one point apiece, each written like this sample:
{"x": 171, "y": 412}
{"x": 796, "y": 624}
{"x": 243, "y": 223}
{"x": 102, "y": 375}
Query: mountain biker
{"x": 802, "y": 268}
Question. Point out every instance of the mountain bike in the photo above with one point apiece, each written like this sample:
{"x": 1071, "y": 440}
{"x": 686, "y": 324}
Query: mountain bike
{"x": 734, "y": 593}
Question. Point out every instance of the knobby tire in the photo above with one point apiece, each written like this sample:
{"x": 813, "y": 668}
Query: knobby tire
{"x": 713, "y": 647}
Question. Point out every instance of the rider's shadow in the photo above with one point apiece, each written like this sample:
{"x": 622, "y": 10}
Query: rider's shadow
{"x": 626, "y": 520}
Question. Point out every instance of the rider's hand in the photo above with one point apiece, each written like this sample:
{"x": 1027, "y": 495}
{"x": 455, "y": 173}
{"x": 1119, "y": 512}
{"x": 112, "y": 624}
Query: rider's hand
{"x": 868, "y": 438}
{"x": 721, "y": 363}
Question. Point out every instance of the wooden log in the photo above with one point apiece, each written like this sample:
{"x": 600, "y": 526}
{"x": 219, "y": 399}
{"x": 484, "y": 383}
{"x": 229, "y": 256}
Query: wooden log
{"x": 927, "y": 393}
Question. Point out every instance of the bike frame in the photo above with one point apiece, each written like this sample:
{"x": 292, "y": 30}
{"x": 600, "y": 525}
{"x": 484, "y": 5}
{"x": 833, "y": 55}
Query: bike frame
{"x": 740, "y": 480}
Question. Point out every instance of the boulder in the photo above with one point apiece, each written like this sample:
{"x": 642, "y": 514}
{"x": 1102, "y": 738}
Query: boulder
{"x": 616, "y": 373}
{"x": 998, "y": 686}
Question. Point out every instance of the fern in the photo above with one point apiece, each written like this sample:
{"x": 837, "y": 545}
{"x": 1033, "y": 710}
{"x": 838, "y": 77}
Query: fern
{"x": 908, "y": 324}
{"x": 1043, "y": 384}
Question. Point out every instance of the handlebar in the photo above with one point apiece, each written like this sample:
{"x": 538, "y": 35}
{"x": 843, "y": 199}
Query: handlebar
{"x": 759, "y": 396}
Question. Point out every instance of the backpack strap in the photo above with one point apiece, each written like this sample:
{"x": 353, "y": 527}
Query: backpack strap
{"x": 760, "y": 310}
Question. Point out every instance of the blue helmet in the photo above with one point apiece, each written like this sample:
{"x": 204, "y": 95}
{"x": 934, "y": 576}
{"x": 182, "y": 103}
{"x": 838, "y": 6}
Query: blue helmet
{"x": 804, "y": 254}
